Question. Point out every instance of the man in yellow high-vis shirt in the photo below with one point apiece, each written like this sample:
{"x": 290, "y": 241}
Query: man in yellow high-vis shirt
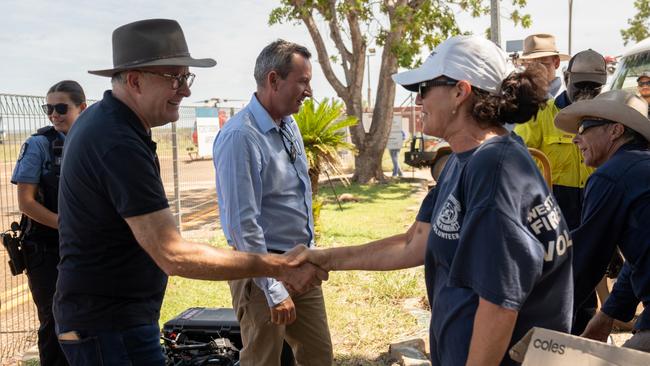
{"x": 584, "y": 77}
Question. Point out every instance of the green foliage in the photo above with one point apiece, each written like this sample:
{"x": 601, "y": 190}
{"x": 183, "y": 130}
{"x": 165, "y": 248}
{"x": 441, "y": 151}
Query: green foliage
{"x": 323, "y": 133}
{"x": 425, "y": 22}
{"x": 638, "y": 29}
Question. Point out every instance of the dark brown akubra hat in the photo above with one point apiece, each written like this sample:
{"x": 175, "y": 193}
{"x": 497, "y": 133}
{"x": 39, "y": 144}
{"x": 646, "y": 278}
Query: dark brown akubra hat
{"x": 150, "y": 42}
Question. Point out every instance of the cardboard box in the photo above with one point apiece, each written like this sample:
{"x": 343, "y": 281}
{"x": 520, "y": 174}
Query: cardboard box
{"x": 543, "y": 347}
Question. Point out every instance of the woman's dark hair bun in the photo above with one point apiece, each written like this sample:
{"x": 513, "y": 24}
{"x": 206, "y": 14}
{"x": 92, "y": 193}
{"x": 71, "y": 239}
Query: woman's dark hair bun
{"x": 521, "y": 95}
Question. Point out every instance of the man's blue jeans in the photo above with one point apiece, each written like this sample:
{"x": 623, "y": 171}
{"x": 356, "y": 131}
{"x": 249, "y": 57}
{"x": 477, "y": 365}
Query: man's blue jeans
{"x": 394, "y": 156}
{"x": 133, "y": 346}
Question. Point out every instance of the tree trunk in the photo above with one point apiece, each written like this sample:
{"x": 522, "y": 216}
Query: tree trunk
{"x": 314, "y": 174}
{"x": 371, "y": 147}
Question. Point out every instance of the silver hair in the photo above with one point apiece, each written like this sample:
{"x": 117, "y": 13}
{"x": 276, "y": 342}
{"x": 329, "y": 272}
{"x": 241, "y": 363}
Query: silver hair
{"x": 277, "y": 56}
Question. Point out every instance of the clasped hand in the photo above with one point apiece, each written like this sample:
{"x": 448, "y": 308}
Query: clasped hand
{"x": 301, "y": 274}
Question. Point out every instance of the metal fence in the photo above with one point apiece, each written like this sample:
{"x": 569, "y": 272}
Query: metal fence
{"x": 188, "y": 180}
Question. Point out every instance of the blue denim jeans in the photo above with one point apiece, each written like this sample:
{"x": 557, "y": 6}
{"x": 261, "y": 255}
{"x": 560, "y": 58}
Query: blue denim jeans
{"x": 394, "y": 157}
{"x": 133, "y": 346}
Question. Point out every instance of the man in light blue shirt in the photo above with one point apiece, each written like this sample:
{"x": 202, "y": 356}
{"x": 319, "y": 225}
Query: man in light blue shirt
{"x": 265, "y": 205}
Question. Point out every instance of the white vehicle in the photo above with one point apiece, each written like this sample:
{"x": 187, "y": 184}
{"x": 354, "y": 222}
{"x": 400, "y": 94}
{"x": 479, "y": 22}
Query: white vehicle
{"x": 634, "y": 61}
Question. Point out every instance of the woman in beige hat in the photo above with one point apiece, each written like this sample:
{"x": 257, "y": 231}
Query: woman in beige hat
{"x": 492, "y": 240}
{"x": 613, "y": 131}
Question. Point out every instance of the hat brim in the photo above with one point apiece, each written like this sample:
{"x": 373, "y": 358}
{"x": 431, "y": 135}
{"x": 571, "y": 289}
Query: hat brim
{"x": 411, "y": 79}
{"x": 579, "y": 77}
{"x": 173, "y": 61}
{"x": 569, "y": 117}
{"x": 534, "y": 55}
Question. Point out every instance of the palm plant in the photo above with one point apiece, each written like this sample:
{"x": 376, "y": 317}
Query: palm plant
{"x": 323, "y": 134}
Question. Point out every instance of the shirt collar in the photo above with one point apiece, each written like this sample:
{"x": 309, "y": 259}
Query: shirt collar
{"x": 562, "y": 100}
{"x": 633, "y": 146}
{"x": 126, "y": 114}
{"x": 262, "y": 118}
{"x": 555, "y": 86}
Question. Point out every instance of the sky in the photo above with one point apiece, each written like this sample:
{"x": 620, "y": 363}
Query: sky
{"x": 46, "y": 41}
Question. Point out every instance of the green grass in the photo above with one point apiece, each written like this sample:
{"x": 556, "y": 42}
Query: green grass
{"x": 364, "y": 308}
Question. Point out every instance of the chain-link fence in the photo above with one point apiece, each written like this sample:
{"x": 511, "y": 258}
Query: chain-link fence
{"x": 188, "y": 180}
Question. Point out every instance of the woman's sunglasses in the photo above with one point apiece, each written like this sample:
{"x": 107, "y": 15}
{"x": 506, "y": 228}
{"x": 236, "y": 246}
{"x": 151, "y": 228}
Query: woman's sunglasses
{"x": 60, "y": 108}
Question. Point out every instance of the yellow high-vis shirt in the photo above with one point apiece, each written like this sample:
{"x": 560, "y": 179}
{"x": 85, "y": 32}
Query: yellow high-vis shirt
{"x": 567, "y": 164}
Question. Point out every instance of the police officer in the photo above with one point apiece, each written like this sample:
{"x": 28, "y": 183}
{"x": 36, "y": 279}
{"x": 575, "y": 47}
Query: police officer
{"x": 37, "y": 176}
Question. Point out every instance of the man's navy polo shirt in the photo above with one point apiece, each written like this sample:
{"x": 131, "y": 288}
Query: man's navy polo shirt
{"x": 616, "y": 211}
{"x": 110, "y": 172}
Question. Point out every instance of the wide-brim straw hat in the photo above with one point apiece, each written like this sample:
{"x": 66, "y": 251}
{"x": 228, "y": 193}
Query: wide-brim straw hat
{"x": 541, "y": 45}
{"x": 615, "y": 105}
{"x": 150, "y": 42}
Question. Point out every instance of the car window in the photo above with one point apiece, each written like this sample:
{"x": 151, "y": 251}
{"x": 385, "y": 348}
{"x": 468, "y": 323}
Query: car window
{"x": 628, "y": 69}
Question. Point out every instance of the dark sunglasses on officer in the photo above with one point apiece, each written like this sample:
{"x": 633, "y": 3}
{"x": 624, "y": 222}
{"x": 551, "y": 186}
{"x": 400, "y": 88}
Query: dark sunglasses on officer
{"x": 60, "y": 108}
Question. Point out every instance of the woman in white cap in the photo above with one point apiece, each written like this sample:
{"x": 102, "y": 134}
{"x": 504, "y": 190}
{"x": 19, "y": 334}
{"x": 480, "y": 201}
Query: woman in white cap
{"x": 496, "y": 249}
{"x": 612, "y": 132}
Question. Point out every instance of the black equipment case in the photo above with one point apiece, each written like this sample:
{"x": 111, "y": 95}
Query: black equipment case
{"x": 205, "y": 324}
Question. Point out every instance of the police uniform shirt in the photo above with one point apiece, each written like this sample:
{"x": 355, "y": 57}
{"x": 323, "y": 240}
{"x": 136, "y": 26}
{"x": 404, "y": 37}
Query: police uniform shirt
{"x": 110, "y": 172}
{"x": 34, "y": 160}
{"x": 497, "y": 233}
{"x": 617, "y": 212}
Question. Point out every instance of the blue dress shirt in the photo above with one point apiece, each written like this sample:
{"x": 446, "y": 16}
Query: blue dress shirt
{"x": 264, "y": 197}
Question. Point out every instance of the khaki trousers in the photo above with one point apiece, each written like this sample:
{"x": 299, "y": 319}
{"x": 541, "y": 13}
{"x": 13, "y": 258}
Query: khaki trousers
{"x": 308, "y": 336}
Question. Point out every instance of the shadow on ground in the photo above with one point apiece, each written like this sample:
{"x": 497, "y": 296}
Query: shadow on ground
{"x": 371, "y": 192}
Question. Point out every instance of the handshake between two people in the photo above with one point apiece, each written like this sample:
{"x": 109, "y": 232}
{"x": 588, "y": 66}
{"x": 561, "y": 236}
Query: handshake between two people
{"x": 306, "y": 269}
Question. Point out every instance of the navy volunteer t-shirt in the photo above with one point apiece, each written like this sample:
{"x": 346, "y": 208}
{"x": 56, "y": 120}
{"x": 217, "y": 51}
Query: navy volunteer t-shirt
{"x": 110, "y": 172}
{"x": 497, "y": 233}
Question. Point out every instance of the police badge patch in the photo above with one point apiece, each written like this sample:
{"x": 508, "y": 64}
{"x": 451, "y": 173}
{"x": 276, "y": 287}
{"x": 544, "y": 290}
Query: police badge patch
{"x": 22, "y": 151}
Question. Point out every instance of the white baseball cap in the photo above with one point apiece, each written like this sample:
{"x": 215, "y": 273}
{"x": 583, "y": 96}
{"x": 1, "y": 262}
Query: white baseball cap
{"x": 475, "y": 59}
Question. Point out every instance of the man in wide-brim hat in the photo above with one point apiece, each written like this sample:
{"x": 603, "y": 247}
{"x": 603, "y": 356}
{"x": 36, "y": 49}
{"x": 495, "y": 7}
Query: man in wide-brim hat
{"x": 541, "y": 48}
{"x": 612, "y": 132}
{"x": 118, "y": 238}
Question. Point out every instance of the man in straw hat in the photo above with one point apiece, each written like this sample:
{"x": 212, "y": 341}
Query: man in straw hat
{"x": 119, "y": 241}
{"x": 612, "y": 133}
{"x": 541, "y": 48}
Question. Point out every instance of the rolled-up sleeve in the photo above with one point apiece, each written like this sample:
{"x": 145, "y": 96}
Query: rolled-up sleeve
{"x": 238, "y": 165}
{"x": 622, "y": 303}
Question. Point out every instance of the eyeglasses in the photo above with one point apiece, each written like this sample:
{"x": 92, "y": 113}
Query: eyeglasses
{"x": 60, "y": 108}
{"x": 546, "y": 64}
{"x": 643, "y": 83}
{"x": 293, "y": 150}
{"x": 588, "y": 123}
{"x": 177, "y": 80}
{"x": 425, "y": 86}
